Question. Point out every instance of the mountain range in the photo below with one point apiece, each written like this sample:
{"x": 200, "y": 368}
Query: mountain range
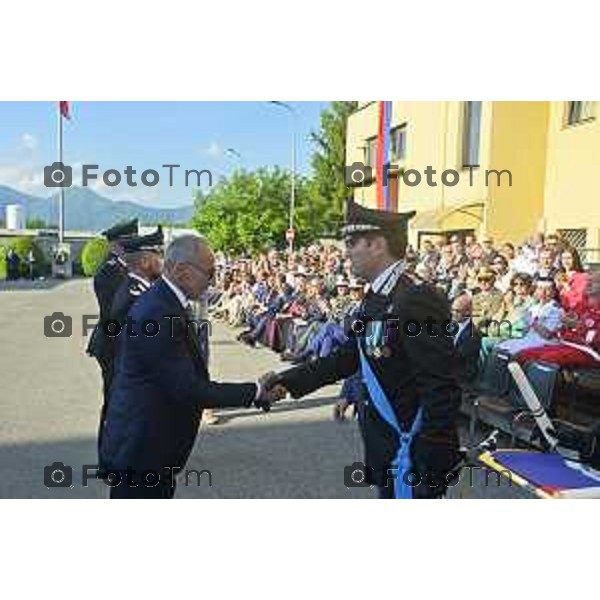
{"x": 89, "y": 211}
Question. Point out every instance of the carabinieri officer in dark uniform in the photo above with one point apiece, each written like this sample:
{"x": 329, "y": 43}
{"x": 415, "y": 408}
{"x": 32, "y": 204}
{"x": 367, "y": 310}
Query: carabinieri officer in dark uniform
{"x": 109, "y": 276}
{"x": 142, "y": 256}
{"x": 409, "y": 416}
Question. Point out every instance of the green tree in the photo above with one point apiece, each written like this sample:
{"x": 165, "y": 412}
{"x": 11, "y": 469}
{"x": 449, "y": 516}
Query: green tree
{"x": 2, "y": 262}
{"x": 249, "y": 211}
{"x": 36, "y": 223}
{"x": 92, "y": 255}
{"x": 327, "y": 187}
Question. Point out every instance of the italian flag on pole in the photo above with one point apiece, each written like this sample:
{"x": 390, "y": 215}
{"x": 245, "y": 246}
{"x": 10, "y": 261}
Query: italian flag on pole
{"x": 63, "y": 107}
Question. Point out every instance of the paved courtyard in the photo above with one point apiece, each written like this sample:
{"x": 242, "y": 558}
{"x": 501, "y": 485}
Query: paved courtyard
{"x": 50, "y": 398}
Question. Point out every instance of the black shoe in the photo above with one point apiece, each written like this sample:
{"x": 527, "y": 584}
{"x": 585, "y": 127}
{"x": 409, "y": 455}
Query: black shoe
{"x": 247, "y": 339}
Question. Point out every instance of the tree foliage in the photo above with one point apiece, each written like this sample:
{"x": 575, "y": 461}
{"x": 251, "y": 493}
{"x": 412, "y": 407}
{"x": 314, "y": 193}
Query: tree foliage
{"x": 92, "y": 256}
{"x": 249, "y": 211}
{"x": 328, "y": 161}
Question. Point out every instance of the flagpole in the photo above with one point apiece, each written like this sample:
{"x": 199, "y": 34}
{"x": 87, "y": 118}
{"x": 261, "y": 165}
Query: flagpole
{"x": 61, "y": 202}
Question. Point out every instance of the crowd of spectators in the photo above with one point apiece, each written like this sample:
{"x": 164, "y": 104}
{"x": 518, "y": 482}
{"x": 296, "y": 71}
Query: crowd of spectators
{"x": 530, "y": 301}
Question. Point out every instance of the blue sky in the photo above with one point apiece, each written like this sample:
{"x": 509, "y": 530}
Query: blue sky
{"x": 146, "y": 135}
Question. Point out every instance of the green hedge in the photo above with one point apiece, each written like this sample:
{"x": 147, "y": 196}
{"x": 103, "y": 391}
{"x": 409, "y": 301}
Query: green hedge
{"x": 92, "y": 255}
{"x": 2, "y": 262}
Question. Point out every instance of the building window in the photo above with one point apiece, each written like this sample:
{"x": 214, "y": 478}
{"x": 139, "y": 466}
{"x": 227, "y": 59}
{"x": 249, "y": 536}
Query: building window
{"x": 371, "y": 152}
{"x": 471, "y": 134}
{"x": 577, "y": 238}
{"x": 580, "y": 112}
{"x": 398, "y": 142}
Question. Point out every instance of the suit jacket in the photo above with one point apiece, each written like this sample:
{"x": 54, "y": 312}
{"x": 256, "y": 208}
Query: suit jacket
{"x": 160, "y": 387}
{"x": 468, "y": 346}
{"x": 111, "y": 274}
{"x": 419, "y": 372}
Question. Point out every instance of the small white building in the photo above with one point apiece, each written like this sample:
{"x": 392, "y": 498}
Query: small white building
{"x": 15, "y": 217}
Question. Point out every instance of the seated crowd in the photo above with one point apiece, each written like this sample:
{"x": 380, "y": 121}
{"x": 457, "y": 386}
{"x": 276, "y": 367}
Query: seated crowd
{"x": 534, "y": 302}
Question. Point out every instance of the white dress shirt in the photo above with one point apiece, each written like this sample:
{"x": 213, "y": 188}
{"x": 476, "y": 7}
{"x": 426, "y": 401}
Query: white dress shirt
{"x": 185, "y": 303}
{"x": 462, "y": 325}
{"x": 145, "y": 283}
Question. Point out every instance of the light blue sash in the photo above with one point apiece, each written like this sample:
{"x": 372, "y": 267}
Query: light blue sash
{"x": 402, "y": 463}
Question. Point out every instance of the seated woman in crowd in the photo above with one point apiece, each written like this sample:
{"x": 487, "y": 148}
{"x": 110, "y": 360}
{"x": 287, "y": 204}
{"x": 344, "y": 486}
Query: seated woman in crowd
{"x": 543, "y": 321}
{"x": 500, "y": 268}
{"x": 512, "y": 319}
{"x": 574, "y": 283}
{"x": 579, "y": 338}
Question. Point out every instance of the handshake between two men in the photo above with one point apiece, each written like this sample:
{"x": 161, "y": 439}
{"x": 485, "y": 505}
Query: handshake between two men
{"x": 270, "y": 390}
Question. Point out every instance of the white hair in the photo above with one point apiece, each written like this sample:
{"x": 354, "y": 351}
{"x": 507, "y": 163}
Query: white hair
{"x": 184, "y": 249}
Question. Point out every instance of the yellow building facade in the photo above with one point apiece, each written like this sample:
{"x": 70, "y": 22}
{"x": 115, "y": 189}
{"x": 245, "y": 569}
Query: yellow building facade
{"x": 513, "y": 168}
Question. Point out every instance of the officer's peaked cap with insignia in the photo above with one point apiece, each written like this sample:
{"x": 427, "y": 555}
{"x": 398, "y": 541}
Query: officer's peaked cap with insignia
{"x": 152, "y": 242}
{"x": 360, "y": 220}
{"x": 121, "y": 230}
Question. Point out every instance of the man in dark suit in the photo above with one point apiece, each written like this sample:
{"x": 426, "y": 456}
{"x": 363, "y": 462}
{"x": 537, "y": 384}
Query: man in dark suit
{"x": 161, "y": 382}
{"x": 409, "y": 418}
{"x": 467, "y": 341}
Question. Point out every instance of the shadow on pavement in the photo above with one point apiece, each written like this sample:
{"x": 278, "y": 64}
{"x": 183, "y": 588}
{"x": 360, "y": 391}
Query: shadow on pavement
{"x": 25, "y": 285}
{"x": 265, "y": 459}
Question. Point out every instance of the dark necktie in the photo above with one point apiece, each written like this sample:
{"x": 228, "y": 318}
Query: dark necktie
{"x": 375, "y": 305}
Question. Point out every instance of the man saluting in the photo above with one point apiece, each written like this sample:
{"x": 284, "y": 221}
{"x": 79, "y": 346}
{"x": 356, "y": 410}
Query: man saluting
{"x": 142, "y": 256}
{"x": 107, "y": 280}
{"x": 406, "y": 358}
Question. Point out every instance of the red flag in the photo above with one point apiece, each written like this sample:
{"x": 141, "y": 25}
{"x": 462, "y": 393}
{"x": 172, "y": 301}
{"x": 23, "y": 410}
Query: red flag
{"x": 63, "y": 106}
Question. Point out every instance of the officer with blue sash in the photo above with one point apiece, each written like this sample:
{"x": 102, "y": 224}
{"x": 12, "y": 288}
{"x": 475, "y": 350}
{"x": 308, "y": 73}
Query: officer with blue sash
{"x": 401, "y": 341}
